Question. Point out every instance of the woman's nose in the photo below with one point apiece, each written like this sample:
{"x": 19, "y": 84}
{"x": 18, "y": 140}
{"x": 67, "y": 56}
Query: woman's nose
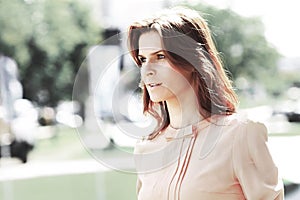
{"x": 148, "y": 70}
{"x": 150, "y": 73}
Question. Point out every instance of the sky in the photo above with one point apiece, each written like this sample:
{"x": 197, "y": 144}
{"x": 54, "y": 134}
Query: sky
{"x": 279, "y": 16}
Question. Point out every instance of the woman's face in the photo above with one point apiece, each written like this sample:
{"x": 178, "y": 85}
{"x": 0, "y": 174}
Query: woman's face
{"x": 162, "y": 81}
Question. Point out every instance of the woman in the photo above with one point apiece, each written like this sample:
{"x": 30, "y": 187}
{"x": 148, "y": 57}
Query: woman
{"x": 200, "y": 149}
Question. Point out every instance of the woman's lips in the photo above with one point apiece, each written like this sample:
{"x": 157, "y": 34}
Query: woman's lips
{"x": 153, "y": 85}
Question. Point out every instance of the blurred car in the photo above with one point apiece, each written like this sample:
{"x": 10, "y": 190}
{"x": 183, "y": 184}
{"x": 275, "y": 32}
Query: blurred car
{"x": 289, "y": 108}
{"x": 293, "y": 116}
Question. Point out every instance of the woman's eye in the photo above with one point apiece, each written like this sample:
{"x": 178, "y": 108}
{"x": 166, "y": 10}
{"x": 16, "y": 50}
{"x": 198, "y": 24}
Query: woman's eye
{"x": 160, "y": 56}
{"x": 142, "y": 59}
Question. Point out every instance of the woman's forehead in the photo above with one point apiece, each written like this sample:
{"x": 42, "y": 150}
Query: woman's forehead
{"x": 149, "y": 43}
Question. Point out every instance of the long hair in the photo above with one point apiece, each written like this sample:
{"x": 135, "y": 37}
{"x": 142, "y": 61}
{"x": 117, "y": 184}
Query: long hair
{"x": 189, "y": 47}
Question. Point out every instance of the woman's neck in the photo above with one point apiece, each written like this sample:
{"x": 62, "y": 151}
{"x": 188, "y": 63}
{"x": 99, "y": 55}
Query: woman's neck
{"x": 183, "y": 111}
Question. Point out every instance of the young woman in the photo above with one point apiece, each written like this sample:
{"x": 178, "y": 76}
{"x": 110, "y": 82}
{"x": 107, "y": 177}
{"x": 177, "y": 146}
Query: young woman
{"x": 201, "y": 148}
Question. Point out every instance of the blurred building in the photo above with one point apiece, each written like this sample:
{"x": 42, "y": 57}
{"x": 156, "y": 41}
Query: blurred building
{"x": 119, "y": 14}
{"x": 10, "y": 87}
{"x": 17, "y": 125}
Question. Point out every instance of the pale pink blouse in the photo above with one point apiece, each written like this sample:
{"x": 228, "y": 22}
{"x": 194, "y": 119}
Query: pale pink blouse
{"x": 225, "y": 158}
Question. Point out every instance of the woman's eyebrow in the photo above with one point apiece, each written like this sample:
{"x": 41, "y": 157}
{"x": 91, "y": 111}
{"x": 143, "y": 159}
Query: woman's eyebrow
{"x": 153, "y": 53}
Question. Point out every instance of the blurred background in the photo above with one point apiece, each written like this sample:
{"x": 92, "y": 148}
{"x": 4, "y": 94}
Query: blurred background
{"x": 59, "y": 60}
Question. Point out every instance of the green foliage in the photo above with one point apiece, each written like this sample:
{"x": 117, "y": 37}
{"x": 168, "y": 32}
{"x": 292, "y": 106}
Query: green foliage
{"x": 15, "y": 29}
{"x": 48, "y": 39}
{"x": 241, "y": 43}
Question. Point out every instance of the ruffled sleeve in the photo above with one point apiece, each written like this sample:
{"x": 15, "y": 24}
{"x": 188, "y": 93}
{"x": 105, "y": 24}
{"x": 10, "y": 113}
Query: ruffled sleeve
{"x": 253, "y": 165}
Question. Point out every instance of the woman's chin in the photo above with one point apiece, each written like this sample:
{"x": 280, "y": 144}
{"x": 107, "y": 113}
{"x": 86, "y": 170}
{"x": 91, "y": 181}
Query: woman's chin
{"x": 156, "y": 99}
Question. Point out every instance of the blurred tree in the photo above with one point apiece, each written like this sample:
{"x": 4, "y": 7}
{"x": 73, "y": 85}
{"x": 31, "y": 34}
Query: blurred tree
{"x": 48, "y": 39}
{"x": 242, "y": 43}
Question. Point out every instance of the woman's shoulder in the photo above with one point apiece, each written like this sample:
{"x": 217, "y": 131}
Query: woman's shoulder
{"x": 247, "y": 129}
{"x": 240, "y": 119}
{"x": 241, "y": 126}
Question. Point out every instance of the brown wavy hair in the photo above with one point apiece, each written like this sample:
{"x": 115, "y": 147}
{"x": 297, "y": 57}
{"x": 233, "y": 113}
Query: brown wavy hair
{"x": 189, "y": 47}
